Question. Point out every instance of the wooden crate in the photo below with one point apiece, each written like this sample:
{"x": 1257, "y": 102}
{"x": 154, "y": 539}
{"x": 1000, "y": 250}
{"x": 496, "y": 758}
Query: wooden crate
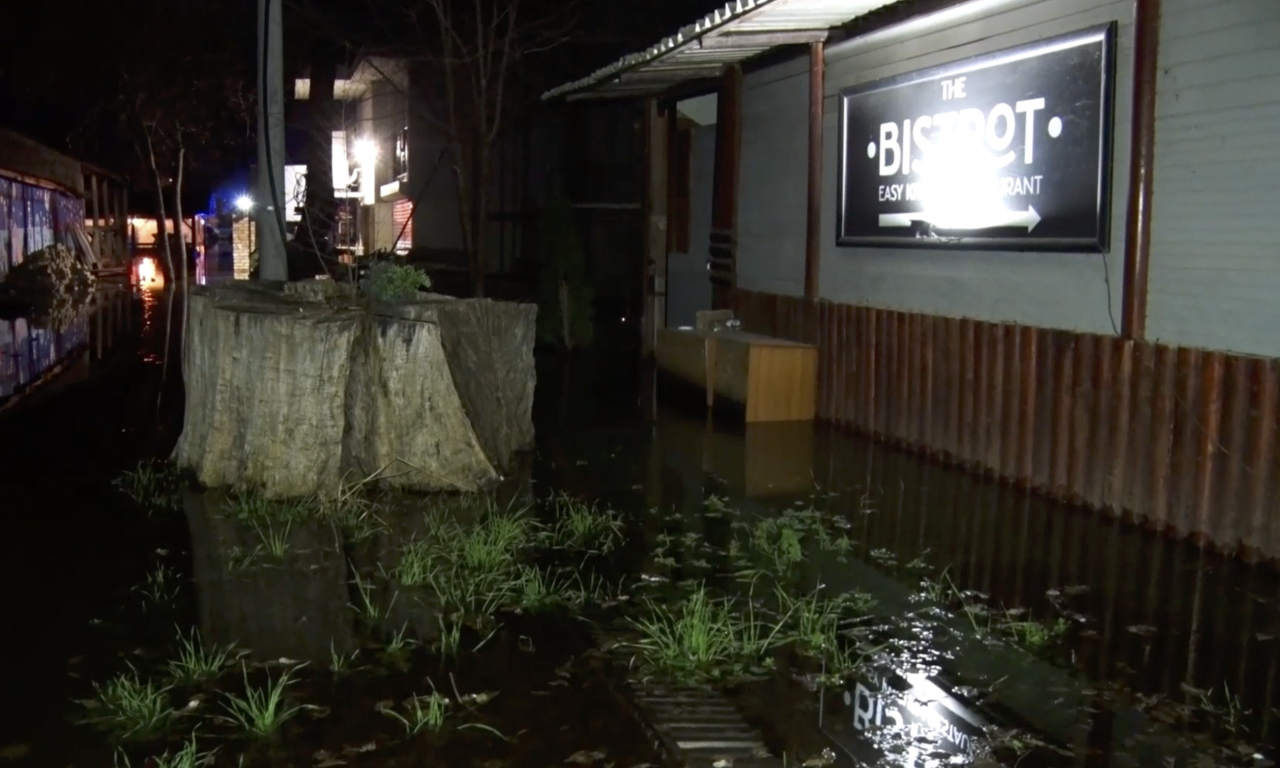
{"x": 773, "y": 379}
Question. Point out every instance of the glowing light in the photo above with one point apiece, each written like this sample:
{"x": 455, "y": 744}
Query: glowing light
{"x": 244, "y": 203}
{"x": 149, "y": 276}
{"x": 365, "y": 150}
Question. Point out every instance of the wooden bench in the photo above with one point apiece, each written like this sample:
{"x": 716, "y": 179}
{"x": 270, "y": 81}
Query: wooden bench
{"x": 773, "y": 379}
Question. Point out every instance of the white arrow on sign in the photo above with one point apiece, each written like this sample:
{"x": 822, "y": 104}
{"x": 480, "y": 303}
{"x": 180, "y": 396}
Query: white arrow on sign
{"x": 1028, "y": 218}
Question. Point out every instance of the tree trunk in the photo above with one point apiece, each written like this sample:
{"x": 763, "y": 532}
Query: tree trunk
{"x": 162, "y": 233}
{"x": 566, "y": 327}
{"x": 182, "y": 254}
{"x": 429, "y": 395}
{"x": 480, "y": 214}
{"x": 162, "y": 224}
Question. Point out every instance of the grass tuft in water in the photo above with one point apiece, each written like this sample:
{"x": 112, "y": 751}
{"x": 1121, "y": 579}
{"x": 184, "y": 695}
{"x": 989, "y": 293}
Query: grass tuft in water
{"x": 367, "y": 606}
{"x": 1031, "y": 634}
{"x": 339, "y": 663}
{"x": 450, "y": 639}
{"x": 196, "y": 663}
{"x": 160, "y": 589}
{"x": 274, "y": 537}
{"x": 421, "y": 713}
{"x": 131, "y": 707}
{"x": 261, "y": 711}
{"x": 706, "y": 637}
{"x": 542, "y": 589}
{"x": 189, "y": 756}
{"x": 584, "y": 527}
{"x": 155, "y": 485}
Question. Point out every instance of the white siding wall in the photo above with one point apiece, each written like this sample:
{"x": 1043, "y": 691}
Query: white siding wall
{"x": 774, "y": 181}
{"x": 1073, "y": 291}
{"x": 1215, "y": 261}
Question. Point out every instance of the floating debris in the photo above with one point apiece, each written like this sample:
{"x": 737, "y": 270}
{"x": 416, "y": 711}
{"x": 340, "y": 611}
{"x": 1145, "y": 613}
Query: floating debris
{"x": 584, "y": 757}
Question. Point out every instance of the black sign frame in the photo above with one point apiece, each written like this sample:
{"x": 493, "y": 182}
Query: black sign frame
{"x": 994, "y": 238}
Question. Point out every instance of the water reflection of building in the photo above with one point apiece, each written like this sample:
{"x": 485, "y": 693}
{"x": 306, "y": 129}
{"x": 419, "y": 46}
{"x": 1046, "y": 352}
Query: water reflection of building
{"x": 30, "y": 355}
{"x": 1149, "y": 623}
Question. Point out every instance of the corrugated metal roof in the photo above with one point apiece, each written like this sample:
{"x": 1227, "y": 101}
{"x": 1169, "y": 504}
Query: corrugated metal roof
{"x": 735, "y": 33}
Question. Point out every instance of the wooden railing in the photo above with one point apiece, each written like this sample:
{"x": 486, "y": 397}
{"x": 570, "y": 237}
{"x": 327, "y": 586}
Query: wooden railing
{"x": 1179, "y": 438}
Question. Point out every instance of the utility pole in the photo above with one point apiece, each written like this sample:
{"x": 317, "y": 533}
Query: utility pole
{"x": 272, "y": 262}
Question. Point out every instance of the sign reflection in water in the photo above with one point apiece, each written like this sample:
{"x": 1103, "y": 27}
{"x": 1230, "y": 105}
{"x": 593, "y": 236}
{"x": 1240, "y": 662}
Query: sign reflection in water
{"x": 907, "y": 719}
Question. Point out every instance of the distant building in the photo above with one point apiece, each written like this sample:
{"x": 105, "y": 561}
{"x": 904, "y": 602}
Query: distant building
{"x": 48, "y": 198}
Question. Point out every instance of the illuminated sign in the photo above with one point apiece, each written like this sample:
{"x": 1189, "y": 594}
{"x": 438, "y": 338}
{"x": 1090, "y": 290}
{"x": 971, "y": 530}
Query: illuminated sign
{"x": 1007, "y": 151}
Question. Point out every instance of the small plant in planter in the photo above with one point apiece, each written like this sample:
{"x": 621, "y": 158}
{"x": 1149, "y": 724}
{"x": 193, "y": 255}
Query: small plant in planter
{"x": 389, "y": 283}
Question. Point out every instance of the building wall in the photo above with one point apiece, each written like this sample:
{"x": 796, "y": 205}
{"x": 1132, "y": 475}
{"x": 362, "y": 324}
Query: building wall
{"x": 774, "y": 182}
{"x": 1070, "y": 291}
{"x": 435, "y": 220}
{"x": 688, "y": 284}
{"x": 1215, "y": 260}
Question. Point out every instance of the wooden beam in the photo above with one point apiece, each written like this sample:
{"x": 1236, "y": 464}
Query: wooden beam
{"x": 670, "y": 75}
{"x": 813, "y": 228}
{"x": 1137, "y": 244}
{"x": 759, "y": 41}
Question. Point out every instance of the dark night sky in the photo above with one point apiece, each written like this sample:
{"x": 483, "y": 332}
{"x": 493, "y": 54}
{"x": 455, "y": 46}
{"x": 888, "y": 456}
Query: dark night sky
{"x": 58, "y": 77}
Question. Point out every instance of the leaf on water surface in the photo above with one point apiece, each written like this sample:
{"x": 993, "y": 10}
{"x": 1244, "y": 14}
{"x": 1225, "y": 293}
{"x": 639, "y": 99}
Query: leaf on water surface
{"x": 1143, "y": 630}
{"x": 1264, "y": 637}
{"x": 384, "y": 705}
{"x": 827, "y": 757}
{"x": 369, "y": 747}
{"x": 325, "y": 760}
{"x": 723, "y": 762}
{"x": 643, "y": 765}
{"x": 584, "y": 757}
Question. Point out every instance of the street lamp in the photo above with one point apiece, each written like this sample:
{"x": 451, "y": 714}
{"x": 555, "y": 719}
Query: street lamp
{"x": 365, "y": 150}
{"x": 244, "y": 203}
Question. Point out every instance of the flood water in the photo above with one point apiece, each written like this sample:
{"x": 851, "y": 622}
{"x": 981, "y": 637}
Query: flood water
{"x": 990, "y": 617}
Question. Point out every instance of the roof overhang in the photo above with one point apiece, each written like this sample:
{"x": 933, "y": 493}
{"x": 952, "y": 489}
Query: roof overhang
{"x": 741, "y": 30}
{"x": 354, "y": 84}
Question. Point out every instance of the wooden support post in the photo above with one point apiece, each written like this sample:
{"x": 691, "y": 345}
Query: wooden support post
{"x": 655, "y": 227}
{"x": 124, "y": 224}
{"x": 1137, "y": 243}
{"x": 96, "y": 230}
{"x": 813, "y": 233}
{"x": 724, "y": 197}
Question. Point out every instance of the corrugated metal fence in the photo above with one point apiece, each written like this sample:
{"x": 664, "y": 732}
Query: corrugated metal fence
{"x": 1180, "y": 438}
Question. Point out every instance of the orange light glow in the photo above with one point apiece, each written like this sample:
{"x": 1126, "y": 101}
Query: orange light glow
{"x": 149, "y": 276}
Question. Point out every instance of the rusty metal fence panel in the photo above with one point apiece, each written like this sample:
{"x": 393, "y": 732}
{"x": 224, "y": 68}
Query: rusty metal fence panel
{"x": 1177, "y": 438}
